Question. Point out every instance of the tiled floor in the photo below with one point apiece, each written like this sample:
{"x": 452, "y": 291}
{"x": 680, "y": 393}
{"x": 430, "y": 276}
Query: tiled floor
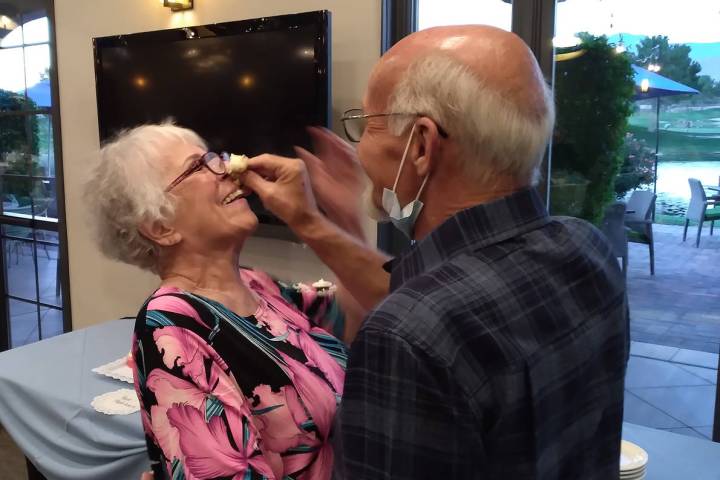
{"x": 680, "y": 305}
{"x": 671, "y": 389}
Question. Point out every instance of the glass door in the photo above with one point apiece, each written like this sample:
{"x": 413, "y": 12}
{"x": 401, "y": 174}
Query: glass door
{"x": 637, "y": 90}
{"x": 32, "y": 244}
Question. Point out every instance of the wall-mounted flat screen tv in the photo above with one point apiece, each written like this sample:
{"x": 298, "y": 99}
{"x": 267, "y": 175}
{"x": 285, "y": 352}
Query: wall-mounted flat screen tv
{"x": 250, "y": 86}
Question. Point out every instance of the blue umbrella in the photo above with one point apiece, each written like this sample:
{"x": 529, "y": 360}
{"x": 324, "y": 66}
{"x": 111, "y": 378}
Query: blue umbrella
{"x": 657, "y": 85}
{"x": 40, "y": 93}
{"x": 651, "y": 85}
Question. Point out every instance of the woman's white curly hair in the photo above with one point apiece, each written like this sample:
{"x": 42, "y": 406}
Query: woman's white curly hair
{"x": 126, "y": 189}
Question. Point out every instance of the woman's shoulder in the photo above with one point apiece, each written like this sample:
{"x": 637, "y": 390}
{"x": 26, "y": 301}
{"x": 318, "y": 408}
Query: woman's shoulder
{"x": 170, "y": 305}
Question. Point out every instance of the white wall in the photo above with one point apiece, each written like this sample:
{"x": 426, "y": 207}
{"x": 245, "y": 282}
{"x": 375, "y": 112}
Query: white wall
{"x": 101, "y": 289}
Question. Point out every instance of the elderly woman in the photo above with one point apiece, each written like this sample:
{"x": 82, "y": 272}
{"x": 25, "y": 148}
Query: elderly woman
{"x": 237, "y": 375}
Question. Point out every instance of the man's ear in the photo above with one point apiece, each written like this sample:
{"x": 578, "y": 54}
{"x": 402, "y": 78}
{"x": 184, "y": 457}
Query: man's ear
{"x": 158, "y": 232}
{"x": 428, "y": 140}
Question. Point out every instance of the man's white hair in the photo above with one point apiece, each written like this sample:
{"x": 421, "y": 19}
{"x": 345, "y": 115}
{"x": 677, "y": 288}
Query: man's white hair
{"x": 126, "y": 189}
{"x": 487, "y": 126}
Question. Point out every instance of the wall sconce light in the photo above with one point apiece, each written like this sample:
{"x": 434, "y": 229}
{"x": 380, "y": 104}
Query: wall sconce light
{"x": 644, "y": 85}
{"x": 178, "y": 5}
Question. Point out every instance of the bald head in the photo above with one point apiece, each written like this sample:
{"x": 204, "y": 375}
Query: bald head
{"x": 481, "y": 84}
{"x": 497, "y": 58}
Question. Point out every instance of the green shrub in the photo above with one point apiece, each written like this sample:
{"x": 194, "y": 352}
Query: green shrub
{"x": 593, "y": 94}
{"x": 19, "y": 143}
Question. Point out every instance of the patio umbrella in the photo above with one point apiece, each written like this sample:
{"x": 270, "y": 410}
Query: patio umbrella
{"x": 651, "y": 85}
{"x": 657, "y": 85}
{"x": 40, "y": 93}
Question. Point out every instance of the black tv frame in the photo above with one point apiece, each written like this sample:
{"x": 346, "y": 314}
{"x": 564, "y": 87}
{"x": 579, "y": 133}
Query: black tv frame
{"x": 320, "y": 18}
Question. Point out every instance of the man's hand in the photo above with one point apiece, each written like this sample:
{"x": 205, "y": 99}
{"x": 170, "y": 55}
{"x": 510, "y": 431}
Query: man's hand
{"x": 284, "y": 188}
{"x": 147, "y": 476}
{"x": 337, "y": 179}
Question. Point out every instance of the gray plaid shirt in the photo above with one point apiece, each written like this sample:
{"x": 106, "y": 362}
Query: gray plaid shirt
{"x": 499, "y": 354}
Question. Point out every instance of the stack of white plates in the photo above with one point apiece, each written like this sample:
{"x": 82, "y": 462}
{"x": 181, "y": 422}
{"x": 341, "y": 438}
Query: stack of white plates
{"x": 633, "y": 461}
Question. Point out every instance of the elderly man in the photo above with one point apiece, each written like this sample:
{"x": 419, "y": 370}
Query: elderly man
{"x": 497, "y": 346}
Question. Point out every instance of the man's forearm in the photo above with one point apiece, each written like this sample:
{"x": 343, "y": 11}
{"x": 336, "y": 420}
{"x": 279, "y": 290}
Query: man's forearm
{"x": 358, "y": 266}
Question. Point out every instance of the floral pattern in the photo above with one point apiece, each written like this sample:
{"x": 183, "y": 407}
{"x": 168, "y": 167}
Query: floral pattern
{"x": 225, "y": 396}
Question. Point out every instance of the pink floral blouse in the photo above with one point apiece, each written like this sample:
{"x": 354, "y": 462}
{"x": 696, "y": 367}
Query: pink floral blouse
{"x": 225, "y": 396}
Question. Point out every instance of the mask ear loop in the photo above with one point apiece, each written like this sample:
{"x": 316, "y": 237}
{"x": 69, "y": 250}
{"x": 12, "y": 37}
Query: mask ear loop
{"x": 402, "y": 162}
{"x": 422, "y": 187}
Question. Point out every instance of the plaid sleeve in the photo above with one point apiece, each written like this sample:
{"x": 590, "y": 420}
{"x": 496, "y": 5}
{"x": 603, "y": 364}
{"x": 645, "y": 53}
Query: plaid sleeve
{"x": 400, "y": 417}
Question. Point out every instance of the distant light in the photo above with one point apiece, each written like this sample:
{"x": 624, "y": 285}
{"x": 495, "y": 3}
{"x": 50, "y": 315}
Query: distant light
{"x": 566, "y": 41}
{"x": 7, "y": 23}
{"x": 246, "y": 81}
{"x": 654, "y": 67}
{"x": 140, "y": 82}
{"x": 307, "y": 52}
{"x": 620, "y": 48}
{"x": 645, "y": 85}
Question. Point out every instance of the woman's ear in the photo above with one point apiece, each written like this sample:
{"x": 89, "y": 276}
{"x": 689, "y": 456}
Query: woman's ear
{"x": 428, "y": 146}
{"x": 158, "y": 232}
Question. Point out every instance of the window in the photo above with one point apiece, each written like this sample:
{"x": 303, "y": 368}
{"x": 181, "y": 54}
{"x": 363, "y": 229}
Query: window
{"x": 32, "y": 233}
{"x": 434, "y": 13}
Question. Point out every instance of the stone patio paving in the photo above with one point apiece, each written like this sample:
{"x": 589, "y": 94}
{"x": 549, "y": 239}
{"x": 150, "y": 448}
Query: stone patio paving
{"x": 675, "y": 328}
{"x": 672, "y": 389}
{"x": 680, "y": 305}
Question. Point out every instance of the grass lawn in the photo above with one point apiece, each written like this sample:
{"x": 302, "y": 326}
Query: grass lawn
{"x": 695, "y": 141}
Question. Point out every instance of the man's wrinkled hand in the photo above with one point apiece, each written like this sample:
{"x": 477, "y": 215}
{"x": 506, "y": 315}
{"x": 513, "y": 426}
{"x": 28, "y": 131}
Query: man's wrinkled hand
{"x": 283, "y": 186}
{"x": 337, "y": 178}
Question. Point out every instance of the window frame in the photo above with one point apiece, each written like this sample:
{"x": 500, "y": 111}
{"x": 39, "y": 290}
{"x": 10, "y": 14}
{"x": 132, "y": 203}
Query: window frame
{"x": 37, "y": 222}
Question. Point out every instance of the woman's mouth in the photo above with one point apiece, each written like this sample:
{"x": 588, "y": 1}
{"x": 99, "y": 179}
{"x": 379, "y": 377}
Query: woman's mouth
{"x": 236, "y": 195}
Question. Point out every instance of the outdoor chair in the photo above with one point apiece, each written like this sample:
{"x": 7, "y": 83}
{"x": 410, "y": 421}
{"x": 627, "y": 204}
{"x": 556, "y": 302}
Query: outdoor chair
{"x": 638, "y": 219}
{"x": 698, "y": 210}
{"x": 613, "y": 226}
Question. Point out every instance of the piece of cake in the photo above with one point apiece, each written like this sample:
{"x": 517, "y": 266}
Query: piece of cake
{"x": 238, "y": 164}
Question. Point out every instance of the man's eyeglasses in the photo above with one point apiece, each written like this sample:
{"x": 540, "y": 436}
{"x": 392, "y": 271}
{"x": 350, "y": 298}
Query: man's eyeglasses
{"x": 355, "y": 121}
{"x": 214, "y": 162}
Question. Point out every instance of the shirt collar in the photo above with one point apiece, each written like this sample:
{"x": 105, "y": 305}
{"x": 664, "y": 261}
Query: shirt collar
{"x": 470, "y": 229}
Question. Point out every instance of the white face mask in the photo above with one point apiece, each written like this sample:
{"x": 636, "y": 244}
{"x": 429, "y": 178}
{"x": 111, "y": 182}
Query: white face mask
{"x": 403, "y": 218}
{"x": 371, "y": 209}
